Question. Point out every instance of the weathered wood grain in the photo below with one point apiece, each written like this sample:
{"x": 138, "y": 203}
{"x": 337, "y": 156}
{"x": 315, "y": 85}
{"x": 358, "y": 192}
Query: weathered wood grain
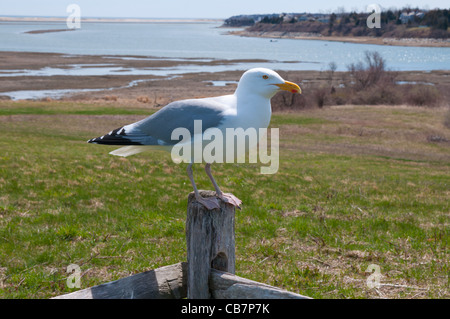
{"x": 229, "y": 286}
{"x": 210, "y": 243}
{"x": 167, "y": 282}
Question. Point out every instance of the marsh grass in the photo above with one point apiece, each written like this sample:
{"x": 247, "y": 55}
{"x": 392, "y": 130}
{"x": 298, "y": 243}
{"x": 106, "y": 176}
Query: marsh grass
{"x": 356, "y": 186}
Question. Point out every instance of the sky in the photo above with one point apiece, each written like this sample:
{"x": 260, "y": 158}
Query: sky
{"x": 195, "y": 8}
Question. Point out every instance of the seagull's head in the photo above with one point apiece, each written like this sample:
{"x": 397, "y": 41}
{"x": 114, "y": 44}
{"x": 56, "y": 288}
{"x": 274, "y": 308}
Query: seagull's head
{"x": 265, "y": 82}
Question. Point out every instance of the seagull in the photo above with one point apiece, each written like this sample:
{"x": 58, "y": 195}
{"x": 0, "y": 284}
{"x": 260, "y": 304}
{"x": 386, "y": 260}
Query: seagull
{"x": 248, "y": 107}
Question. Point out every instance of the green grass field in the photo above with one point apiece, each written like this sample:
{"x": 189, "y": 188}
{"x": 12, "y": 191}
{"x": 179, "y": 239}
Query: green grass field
{"x": 356, "y": 186}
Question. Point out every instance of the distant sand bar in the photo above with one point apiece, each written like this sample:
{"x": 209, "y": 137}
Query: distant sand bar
{"x": 47, "y": 31}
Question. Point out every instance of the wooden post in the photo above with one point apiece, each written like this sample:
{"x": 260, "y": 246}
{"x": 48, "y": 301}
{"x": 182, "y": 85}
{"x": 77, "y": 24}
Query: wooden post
{"x": 210, "y": 243}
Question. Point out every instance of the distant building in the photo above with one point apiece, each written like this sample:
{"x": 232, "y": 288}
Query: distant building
{"x": 420, "y": 15}
{"x": 303, "y": 17}
{"x": 324, "y": 19}
{"x": 406, "y": 17}
{"x": 289, "y": 18}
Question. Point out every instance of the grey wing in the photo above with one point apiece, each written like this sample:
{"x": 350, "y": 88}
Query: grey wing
{"x": 157, "y": 129}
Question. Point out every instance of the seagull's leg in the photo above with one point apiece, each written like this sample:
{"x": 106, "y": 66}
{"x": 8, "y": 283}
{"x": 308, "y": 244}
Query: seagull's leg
{"x": 210, "y": 202}
{"x": 226, "y": 197}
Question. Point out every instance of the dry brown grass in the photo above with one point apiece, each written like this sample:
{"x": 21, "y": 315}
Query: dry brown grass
{"x": 352, "y": 129}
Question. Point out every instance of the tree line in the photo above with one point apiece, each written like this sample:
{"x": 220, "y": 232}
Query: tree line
{"x": 400, "y": 23}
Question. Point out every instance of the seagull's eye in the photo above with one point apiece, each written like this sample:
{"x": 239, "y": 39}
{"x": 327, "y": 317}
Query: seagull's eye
{"x": 265, "y": 77}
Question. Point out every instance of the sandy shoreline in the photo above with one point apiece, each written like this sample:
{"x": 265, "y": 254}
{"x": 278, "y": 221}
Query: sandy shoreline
{"x": 414, "y": 42}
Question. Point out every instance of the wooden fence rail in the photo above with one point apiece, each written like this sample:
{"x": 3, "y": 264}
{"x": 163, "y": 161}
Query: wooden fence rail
{"x": 208, "y": 272}
{"x": 170, "y": 282}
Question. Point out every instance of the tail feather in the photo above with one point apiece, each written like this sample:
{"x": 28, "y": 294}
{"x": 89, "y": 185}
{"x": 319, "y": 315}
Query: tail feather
{"x": 128, "y": 150}
{"x": 134, "y": 149}
{"x": 133, "y": 143}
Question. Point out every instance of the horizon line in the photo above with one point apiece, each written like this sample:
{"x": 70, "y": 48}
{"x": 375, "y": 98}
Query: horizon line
{"x": 100, "y": 18}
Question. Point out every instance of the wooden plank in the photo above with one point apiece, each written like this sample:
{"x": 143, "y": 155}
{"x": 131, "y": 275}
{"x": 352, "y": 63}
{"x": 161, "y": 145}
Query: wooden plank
{"x": 229, "y": 286}
{"x": 170, "y": 282}
{"x": 167, "y": 282}
{"x": 210, "y": 243}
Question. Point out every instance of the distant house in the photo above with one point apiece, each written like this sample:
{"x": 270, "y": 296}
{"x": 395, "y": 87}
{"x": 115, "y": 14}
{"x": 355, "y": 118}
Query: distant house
{"x": 289, "y": 18}
{"x": 406, "y": 17}
{"x": 325, "y": 19}
{"x": 302, "y": 18}
{"x": 420, "y": 15}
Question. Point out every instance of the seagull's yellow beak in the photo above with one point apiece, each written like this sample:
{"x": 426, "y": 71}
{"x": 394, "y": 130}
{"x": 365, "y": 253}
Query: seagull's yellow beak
{"x": 289, "y": 86}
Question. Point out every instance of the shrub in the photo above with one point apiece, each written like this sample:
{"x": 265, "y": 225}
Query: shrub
{"x": 320, "y": 96}
{"x": 447, "y": 119}
{"x": 110, "y": 98}
{"x": 378, "y": 94}
{"x": 143, "y": 99}
{"x": 422, "y": 95}
{"x": 285, "y": 100}
{"x": 370, "y": 73}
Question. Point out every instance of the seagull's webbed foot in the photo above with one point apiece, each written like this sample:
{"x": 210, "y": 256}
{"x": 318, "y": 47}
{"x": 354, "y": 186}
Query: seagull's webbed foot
{"x": 230, "y": 199}
{"x": 209, "y": 202}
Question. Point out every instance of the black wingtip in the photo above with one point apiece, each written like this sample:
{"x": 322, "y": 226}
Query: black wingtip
{"x": 92, "y": 140}
{"x": 115, "y": 137}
